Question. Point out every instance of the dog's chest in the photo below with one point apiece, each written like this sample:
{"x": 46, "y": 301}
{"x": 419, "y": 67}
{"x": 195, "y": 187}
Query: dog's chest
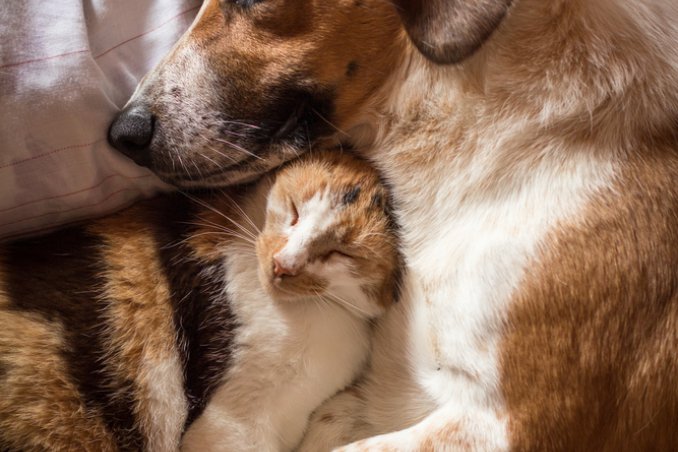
{"x": 469, "y": 238}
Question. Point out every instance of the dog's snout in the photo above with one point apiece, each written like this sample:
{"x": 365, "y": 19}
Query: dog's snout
{"x": 131, "y": 133}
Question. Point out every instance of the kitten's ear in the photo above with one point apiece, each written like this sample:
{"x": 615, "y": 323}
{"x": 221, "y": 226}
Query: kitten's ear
{"x": 390, "y": 290}
{"x": 447, "y": 31}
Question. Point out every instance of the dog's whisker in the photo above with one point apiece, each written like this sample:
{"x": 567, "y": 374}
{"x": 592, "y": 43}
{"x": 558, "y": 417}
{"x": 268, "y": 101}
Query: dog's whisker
{"x": 208, "y": 159}
{"x": 238, "y": 147}
{"x": 213, "y": 149}
{"x": 183, "y": 165}
{"x": 240, "y": 123}
{"x": 197, "y": 167}
{"x": 329, "y": 122}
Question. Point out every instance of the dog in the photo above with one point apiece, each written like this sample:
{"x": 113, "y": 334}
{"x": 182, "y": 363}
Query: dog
{"x": 532, "y": 152}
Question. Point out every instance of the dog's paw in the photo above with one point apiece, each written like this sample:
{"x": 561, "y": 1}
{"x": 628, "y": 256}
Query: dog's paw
{"x": 391, "y": 442}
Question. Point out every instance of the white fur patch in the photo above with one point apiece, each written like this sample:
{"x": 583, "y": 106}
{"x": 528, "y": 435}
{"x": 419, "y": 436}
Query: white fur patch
{"x": 316, "y": 216}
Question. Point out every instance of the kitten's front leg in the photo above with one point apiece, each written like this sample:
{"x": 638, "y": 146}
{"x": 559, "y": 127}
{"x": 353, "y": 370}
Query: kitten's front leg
{"x": 217, "y": 431}
{"x": 336, "y": 422}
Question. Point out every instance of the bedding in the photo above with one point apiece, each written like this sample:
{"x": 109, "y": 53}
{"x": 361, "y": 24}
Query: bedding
{"x": 66, "y": 68}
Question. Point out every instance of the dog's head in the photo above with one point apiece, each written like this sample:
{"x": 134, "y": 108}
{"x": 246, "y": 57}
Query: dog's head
{"x": 253, "y": 83}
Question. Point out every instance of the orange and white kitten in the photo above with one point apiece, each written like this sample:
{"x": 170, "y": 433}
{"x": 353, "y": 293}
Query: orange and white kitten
{"x": 326, "y": 263}
{"x": 215, "y": 323}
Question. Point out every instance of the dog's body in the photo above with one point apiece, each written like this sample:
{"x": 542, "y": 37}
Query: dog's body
{"x": 535, "y": 184}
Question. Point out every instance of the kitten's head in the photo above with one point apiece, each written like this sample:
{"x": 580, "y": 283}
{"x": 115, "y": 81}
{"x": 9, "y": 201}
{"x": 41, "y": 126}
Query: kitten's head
{"x": 328, "y": 233}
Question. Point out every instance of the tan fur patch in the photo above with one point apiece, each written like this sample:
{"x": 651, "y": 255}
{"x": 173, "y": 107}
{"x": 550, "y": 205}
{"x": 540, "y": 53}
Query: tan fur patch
{"x": 589, "y": 361}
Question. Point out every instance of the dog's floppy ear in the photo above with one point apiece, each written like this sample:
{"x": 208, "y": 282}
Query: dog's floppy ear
{"x": 447, "y": 31}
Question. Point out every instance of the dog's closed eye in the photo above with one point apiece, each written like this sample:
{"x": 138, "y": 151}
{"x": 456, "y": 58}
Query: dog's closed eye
{"x": 240, "y": 3}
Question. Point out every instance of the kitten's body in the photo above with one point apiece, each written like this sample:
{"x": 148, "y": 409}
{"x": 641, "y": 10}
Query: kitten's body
{"x": 114, "y": 334}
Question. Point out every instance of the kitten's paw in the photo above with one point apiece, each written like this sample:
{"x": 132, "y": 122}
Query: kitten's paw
{"x": 333, "y": 424}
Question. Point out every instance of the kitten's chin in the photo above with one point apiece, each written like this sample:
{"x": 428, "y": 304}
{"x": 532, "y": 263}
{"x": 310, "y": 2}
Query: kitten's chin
{"x": 273, "y": 289}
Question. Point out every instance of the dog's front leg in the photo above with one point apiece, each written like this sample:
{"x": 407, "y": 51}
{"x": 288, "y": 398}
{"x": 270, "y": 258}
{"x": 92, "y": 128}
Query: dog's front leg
{"x": 447, "y": 429}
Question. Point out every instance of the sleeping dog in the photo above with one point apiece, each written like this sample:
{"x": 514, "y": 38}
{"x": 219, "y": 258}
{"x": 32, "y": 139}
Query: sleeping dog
{"x": 532, "y": 151}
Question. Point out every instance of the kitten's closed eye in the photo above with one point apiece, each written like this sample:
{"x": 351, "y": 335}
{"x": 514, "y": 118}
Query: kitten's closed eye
{"x": 336, "y": 253}
{"x": 295, "y": 214}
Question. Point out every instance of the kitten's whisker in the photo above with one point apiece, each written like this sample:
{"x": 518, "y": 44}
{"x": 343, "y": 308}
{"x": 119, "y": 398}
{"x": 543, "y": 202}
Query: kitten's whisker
{"x": 226, "y": 233}
{"x": 318, "y": 300}
{"x": 218, "y": 212}
{"x": 211, "y": 223}
{"x": 295, "y": 294}
{"x": 232, "y": 221}
{"x": 347, "y": 303}
{"x": 186, "y": 240}
{"x": 242, "y": 237}
{"x": 240, "y": 209}
{"x": 353, "y": 326}
{"x": 217, "y": 230}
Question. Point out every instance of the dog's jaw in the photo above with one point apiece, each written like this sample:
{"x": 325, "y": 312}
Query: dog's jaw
{"x": 248, "y": 170}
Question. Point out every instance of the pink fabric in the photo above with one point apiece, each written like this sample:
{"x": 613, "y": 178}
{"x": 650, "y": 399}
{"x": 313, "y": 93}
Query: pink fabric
{"x": 66, "y": 68}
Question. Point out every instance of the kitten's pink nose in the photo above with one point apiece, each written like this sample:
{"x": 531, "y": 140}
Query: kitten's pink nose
{"x": 279, "y": 269}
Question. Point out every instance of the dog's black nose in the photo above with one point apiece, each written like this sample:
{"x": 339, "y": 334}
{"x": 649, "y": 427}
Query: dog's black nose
{"x": 131, "y": 133}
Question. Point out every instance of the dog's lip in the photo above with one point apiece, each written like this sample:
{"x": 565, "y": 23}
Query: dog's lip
{"x": 205, "y": 176}
{"x": 211, "y": 180}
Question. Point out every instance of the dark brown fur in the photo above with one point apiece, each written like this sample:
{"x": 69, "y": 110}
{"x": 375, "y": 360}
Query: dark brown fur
{"x": 62, "y": 280}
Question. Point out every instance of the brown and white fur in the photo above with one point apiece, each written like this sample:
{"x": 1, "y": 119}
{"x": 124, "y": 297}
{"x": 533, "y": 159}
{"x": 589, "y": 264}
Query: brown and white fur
{"x": 120, "y": 333}
{"x": 533, "y": 154}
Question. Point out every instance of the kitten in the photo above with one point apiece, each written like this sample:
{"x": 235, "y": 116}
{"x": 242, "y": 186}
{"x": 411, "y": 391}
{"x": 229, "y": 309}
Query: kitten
{"x": 213, "y": 315}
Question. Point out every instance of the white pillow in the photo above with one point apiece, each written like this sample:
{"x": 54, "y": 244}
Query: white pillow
{"x": 66, "y": 68}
